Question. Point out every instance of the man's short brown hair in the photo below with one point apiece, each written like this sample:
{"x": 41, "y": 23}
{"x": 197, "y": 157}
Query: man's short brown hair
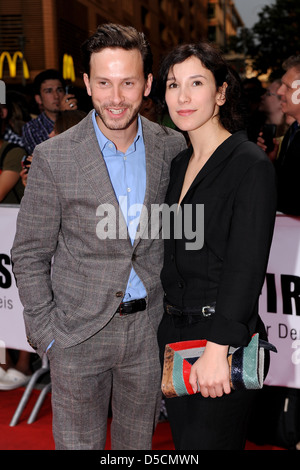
{"x": 117, "y": 36}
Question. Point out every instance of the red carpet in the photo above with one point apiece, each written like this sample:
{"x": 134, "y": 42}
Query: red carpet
{"x": 38, "y": 435}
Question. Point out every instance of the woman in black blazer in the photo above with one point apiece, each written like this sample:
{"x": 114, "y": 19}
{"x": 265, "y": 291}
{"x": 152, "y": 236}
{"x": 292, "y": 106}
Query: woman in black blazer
{"x": 234, "y": 182}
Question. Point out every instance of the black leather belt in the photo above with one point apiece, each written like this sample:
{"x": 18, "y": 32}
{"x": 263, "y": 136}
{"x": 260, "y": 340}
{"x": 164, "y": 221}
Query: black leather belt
{"x": 133, "y": 306}
{"x": 205, "y": 311}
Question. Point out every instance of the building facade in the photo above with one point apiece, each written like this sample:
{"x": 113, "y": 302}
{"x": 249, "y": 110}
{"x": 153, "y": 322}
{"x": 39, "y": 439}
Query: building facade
{"x": 49, "y": 33}
{"x": 223, "y": 21}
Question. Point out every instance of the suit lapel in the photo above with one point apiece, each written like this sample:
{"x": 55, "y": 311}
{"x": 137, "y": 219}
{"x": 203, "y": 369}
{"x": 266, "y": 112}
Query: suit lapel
{"x": 91, "y": 162}
{"x": 154, "y": 148}
{"x": 94, "y": 170}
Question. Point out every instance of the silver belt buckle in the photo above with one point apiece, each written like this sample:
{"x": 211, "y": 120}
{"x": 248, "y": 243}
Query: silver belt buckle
{"x": 204, "y": 313}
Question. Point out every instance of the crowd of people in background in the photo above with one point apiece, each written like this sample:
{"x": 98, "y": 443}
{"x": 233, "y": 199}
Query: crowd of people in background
{"x": 21, "y": 129}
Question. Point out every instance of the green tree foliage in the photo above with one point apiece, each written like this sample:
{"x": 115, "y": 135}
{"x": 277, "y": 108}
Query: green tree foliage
{"x": 274, "y": 38}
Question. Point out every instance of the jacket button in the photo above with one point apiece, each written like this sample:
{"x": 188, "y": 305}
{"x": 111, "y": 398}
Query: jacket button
{"x": 119, "y": 294}
{"x": 180, "y": 285}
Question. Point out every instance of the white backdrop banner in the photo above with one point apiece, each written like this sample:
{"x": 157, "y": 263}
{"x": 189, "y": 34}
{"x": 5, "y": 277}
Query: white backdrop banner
{"x": 279, "y": 303}
{"x": 12, "y": 330}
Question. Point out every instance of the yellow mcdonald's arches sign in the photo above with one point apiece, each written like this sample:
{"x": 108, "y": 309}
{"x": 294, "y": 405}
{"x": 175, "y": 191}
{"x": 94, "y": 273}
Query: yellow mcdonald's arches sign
{"x": 12, "y": 64}
{"x": 68, "y": 68}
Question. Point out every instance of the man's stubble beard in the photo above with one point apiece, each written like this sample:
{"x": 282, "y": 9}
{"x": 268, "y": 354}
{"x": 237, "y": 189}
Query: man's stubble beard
{"x": 110, "y": 124}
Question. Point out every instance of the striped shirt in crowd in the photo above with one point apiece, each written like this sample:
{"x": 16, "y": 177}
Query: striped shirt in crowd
{"x": 36, "y": 131}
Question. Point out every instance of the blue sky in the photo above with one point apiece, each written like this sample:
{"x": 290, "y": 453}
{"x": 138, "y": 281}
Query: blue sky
{"x": 249, "y": 9}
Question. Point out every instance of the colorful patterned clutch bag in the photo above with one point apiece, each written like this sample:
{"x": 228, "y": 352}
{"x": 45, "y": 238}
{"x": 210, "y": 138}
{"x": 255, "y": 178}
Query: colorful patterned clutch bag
{"x": 246, "y": 365}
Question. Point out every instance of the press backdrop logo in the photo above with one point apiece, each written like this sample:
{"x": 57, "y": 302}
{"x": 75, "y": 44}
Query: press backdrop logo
{"x": 2, "y": 92}
{"x": 162, "y": 221}
{"x": 2, "y": 352}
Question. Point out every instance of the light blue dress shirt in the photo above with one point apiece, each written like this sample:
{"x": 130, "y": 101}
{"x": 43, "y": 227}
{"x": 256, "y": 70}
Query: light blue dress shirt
{"x": 127, "y": 173}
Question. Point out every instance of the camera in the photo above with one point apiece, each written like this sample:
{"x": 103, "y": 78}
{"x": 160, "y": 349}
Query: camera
{"x": 69, "y": 90}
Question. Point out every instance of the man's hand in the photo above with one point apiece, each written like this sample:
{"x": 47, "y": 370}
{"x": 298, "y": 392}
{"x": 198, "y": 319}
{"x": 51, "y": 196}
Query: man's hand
{"x": 68, "y": 102}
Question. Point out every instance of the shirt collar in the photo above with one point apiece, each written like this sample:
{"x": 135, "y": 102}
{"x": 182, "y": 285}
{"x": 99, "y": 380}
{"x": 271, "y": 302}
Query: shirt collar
{"x": 103, "y": 140}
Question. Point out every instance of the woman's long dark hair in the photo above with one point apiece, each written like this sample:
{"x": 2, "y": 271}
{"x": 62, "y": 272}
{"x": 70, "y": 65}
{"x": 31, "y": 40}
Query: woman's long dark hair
{"x": 231, "y": 113}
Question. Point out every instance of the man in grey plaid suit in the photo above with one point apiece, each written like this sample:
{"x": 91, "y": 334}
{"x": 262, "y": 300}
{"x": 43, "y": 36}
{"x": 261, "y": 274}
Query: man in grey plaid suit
{"x": 86, "y": 211}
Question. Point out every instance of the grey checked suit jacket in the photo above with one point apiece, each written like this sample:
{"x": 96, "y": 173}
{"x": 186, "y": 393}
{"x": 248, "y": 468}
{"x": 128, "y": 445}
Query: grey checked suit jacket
{"x": 57, "y": 222}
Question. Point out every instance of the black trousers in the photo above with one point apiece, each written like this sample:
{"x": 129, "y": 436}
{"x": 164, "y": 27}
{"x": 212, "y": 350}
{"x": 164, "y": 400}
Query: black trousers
{"x": 200, "y": 423}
